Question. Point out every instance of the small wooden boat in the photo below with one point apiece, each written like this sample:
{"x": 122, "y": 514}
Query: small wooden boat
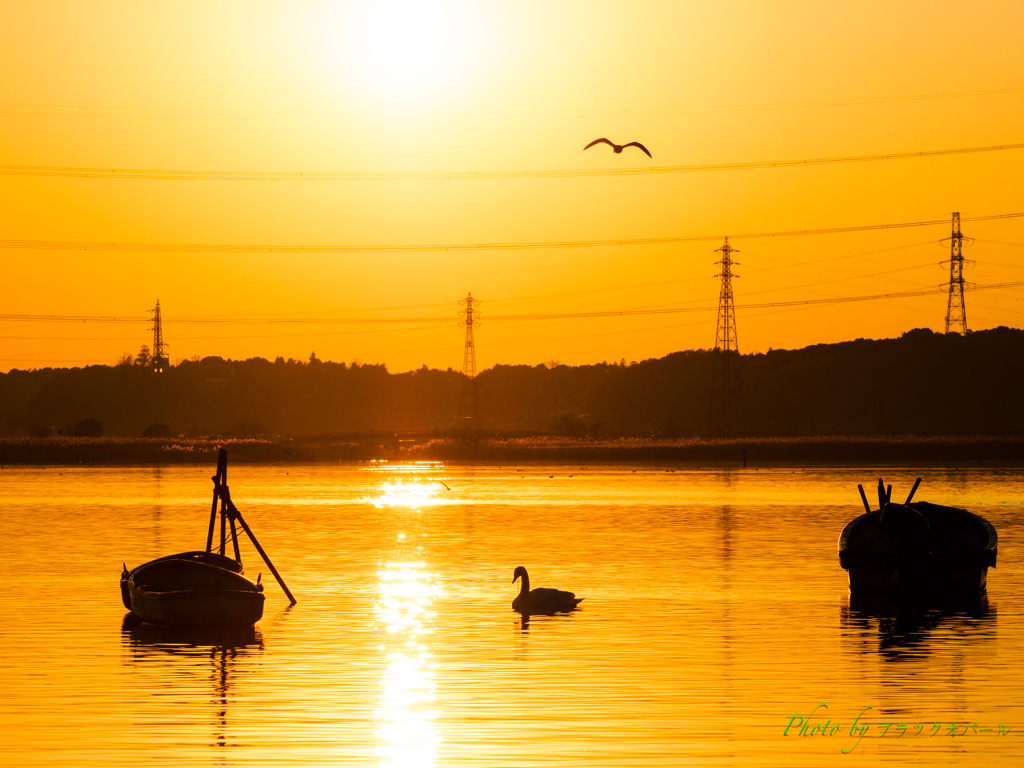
{"x": 203, "y": 587}
{"x": 916, "y": 547}
{"x": 189, "y": 591}
{"x": 199, "y": 556}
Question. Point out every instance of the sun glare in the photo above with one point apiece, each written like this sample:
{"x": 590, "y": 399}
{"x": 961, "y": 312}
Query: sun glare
{"x": 406, "y": 712}
{"x": 412, "y": 495}
{"x": 406, "y": 53}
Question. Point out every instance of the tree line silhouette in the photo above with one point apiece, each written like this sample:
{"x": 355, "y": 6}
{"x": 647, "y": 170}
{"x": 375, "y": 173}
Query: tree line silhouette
{"x": 922, "y": 383}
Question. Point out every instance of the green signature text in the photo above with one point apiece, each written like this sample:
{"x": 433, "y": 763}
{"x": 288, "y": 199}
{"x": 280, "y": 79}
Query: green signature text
{"x": 818, "y": 722}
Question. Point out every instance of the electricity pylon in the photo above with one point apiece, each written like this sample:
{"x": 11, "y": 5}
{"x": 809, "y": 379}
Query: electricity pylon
{"x": 159, "y": 359}
{"x": 956, "y": 311}
{"x": 726, "y": 397}
{"x": 469, "y": 406}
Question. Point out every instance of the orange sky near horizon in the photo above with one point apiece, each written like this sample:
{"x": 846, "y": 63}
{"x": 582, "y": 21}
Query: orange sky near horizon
{"x": 452, "y": 86}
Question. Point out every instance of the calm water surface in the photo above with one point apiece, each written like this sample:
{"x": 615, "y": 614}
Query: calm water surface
{"x": 715, "y": 610}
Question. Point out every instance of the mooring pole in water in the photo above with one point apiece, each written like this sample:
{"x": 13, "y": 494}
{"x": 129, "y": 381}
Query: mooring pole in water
{"x": 230, "y": 512}
{"x": 222, "y": 470}
{"x": 881, "y": 493}
{"x": 913, "y": 491}
{"x": 241, "y": 520}
{"x": 888, "y": 494}
{"x": 864, "y": 498}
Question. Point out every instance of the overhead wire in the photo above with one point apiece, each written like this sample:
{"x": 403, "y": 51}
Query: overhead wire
{"x": 166, "y": 174}
{"x": 850, "y": 276}
{"x": 69, "y": 245}
{"x": 835, "y": 258}
{"x": 170, "y": 320}
{"x": 837, "y": 280}
{"x": 428, "y": 323}
{"x": 793, "y": 303}
{"x": 595, "y": 172}
{"x": 243, "y": 115}
{"x": 997, "y": 242}
{"x": 771, "y": 307}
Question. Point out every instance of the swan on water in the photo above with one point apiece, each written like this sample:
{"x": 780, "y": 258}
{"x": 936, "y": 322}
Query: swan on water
{"x": 543, "y": 599}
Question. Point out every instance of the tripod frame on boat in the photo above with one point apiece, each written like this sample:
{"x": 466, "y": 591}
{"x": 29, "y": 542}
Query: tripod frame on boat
{"x": 229, "y": 515}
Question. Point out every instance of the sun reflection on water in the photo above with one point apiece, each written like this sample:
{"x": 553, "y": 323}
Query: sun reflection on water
{"x": 407, "y": 733}
{"x": 414, "y": 494}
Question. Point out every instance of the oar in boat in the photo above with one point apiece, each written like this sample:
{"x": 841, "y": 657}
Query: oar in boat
{"x": 864, "y": 498}
{"x": 912, "y": 491}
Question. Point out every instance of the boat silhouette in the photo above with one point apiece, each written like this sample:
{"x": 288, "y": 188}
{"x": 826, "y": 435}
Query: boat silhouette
{"x": 202, "y": 587}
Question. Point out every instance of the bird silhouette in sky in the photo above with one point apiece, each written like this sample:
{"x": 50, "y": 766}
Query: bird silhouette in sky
{"x": 618, "y": 148}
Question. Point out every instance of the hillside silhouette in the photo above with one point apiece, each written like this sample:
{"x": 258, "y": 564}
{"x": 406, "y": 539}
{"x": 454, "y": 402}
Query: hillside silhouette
{"x": 923, "y": 383}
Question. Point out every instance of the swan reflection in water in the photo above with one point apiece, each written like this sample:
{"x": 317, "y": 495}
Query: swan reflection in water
{"x": 406, "y": 593}
{"x": 904, "y": 624}
{"x": 524, "y": 621}
{"x": 181, "y": 656}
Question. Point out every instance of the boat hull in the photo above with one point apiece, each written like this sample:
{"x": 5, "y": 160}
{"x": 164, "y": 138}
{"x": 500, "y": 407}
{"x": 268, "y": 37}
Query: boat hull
{"x": 875, "y": 579}
{"x": 189, "y": 591}
{"x": 210, "y": 558}
{"x": 198, "y": 607}
{"x": 963, "y": 548}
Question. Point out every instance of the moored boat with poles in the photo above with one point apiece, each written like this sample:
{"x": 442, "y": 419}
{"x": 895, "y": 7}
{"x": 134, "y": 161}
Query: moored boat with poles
{"x": 916, "y": 547}
{"x": 202, "y": 588}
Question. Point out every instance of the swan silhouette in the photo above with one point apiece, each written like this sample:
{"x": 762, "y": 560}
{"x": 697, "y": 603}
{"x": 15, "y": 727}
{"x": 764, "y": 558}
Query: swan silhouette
{"x": 541, "y": 600}
{"x": 619, "y": 147}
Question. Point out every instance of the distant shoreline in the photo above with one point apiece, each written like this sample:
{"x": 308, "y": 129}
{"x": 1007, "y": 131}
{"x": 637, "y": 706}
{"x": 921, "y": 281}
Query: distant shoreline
{"x": 60, "y": 451}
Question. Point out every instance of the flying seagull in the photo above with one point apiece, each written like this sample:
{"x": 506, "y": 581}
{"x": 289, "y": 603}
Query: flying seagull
{"x": 618, "y": 149}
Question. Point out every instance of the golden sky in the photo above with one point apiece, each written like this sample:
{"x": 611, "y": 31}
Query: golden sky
{"x": 401, "y": 87}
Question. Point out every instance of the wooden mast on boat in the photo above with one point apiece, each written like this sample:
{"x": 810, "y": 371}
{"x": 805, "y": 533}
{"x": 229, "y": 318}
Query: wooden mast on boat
{"x": 228, "y": 515}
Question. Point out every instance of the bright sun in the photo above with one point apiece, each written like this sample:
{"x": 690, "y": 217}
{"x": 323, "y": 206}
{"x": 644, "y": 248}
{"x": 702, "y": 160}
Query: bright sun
{"x": 410, "y": 52}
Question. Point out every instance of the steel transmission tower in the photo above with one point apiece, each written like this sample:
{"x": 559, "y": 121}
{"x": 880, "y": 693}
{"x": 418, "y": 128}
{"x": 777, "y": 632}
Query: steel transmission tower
{"x": 726, "y": 398}
{"x": 469, "y": 406}
{"x": 956, "y": 312}
{"x": 159, "y": 359}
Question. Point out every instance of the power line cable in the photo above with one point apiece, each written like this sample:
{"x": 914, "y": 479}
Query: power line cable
{"x": 788, "y": 265}
{"x": 495, "y": 318}
{"x": 67, "y": 245}
{"x": 230, "y": 114}
{"x": 155, "y": 174}
{"x": 997, "y": 242}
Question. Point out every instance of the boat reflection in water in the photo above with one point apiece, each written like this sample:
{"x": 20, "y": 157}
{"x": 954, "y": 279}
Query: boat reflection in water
{"x": 905, "y": 625}
{"x": 203, "y": 661}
